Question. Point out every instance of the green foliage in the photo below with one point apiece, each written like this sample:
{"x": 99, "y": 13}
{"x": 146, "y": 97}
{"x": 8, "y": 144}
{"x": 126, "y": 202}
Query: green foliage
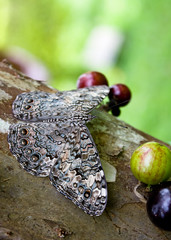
{"x": 146, "y": 62}
{"x": 56, "y": 32}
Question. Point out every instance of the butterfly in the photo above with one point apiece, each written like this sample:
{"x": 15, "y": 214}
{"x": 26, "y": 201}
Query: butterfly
{"x": 52, "y": 139}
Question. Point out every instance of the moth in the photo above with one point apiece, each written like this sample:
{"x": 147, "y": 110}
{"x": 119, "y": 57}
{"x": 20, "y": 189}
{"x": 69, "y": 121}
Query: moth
{"x": 52, "y": 139}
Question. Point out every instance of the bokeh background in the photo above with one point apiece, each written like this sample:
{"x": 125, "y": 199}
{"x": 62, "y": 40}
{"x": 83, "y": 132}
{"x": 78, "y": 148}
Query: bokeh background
{"x": 127, "y": 40}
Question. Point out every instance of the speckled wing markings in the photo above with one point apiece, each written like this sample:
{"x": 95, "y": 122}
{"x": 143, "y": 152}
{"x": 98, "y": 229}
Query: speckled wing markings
{"x": 34, "y": 106}
{"x": 78, "y": 174}
{"x": 37, "y": 145}
{"x": 54, "y": 141}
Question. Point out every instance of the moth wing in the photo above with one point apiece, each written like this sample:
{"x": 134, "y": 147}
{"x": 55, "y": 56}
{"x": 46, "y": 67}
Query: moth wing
{"x": 70, "y": 157}
{"x": 84, "y": 100}
{"x": 36, "y": 145}
{"x": 78, "y": 173}
{"x": 38, "y": 106}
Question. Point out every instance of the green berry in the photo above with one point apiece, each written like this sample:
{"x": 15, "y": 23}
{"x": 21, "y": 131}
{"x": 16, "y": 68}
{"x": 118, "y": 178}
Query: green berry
{"x": 151, "y": 163}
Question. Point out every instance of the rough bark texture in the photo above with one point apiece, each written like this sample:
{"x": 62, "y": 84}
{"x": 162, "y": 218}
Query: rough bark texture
{"x": 31, "y": 208}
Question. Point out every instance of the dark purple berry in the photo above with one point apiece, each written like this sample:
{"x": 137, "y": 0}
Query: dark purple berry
{"x": 91, "y": 79}
{"x": 120, "y": 93}
{"x": 116, "y": 111}
{"x": 159, "y": 205}
{"x": 114, "y": 108}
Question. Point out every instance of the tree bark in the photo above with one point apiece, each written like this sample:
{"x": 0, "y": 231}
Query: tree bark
{"x": 30, "y": 206}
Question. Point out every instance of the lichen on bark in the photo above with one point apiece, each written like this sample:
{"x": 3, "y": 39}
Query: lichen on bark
{"x": 31, "y": 208}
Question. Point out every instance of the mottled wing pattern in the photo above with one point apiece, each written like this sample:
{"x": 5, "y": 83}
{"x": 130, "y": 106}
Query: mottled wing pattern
{"x": 34, "y": 106}
{"x": 37, "y": 146}
{"x": 54, "y": 141}
{"x": 78, "y": 173}
{"x": 70, "y": 157}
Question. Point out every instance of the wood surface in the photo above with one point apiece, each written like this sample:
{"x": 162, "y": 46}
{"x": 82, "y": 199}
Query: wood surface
{"x": 31, "y": 208}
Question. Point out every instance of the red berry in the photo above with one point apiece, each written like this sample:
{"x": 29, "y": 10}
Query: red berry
{"x": 120, "y": 93}
{"x": 91, "y": 79}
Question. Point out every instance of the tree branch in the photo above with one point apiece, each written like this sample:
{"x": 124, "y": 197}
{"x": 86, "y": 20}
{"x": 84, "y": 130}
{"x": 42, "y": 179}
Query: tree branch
{"x": 31, "y": 208}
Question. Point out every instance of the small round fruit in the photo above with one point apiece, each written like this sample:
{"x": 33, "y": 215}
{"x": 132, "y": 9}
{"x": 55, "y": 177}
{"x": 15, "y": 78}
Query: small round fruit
{"x": 159, "y": 206}
{"x": 120, "y": 93}
{"x": 116, "y": 111}
{"x": 151, "y": 163}
{"x": 91, "y": 79}
{"x": 114, "y": 108}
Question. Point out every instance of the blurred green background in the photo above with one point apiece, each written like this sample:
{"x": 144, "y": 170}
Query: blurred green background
{"x": 57, "y": 31}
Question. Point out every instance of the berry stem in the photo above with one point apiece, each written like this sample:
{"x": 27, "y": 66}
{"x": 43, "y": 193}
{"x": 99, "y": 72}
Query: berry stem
{"x": 138, "y": 195}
